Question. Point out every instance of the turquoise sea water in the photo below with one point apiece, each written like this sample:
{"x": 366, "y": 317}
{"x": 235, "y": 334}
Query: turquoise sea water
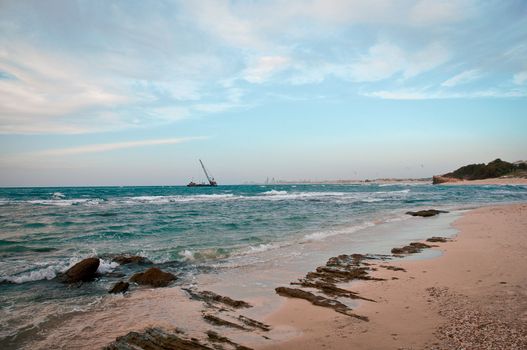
{"x": 188, "y": 231}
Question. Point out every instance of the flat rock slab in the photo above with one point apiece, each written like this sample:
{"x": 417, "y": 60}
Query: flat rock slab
{"x": 426, "y": 213}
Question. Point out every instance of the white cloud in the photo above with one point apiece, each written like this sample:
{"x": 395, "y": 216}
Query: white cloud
{"x": 462, "y": 78}
{"x": 106, "y": 147}
{"x": 426, "y": 59}
{"x": 382, "y": 61}
{"x": 428, "y": 94}
{"x": 264, "y": 67}
{"x": 385, "y": 59}
{"x": 520, "y": 78}
{"x": 46, "y": 85}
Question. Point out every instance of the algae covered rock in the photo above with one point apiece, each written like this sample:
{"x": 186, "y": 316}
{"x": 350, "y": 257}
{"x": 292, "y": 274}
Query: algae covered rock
{"x": 153, "y": 277}
{"x": 119, "y": 287}
{"x": 83, "y": 271}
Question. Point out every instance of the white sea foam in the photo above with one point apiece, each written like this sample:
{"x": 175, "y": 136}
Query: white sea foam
{"x": 179, "y": 198}
{"x": 260, "y": 248}
{"x": 393, "y": 192}
{"x": 274, "y": 192}
{"x": 58, "y": 195}
{"x": 372, "y": 200}
{"x": 284, "y": 195}
{"x": 187, "y": 255}
{"x": 321, "y": 235}
{"x": 202, "y": 254}
{"x": 43, "y": 274}
{"x": 67, "y": 202}
{"x": 52, "y": 270}
{"x": 106, "y": 266}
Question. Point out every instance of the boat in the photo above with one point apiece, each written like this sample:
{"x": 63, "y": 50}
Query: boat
{"x": 211, "y": 180}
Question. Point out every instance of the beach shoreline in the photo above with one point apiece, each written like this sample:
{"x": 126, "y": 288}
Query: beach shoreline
{"x": 472, "y": 296}
{"x": 495, "y": 181}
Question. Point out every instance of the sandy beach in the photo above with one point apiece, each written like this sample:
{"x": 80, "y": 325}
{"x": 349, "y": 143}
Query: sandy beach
{"x": 473, "y": 296}
{"x": 495, "y": 181}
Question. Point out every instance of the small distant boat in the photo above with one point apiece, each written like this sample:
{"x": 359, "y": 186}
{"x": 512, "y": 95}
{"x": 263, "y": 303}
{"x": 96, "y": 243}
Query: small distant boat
{"x": 211, "y": 180}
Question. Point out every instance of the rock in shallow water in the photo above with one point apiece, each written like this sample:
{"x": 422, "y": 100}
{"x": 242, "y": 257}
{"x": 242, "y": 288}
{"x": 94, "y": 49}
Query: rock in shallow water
{"x": 426, "y": 213}
{"x": 119, "y": 287}
{"x": 153, "y": 277}
{"x": 131, "y": 259}
{"x": 412, "y": 248}
{"x": 83, "y": 271}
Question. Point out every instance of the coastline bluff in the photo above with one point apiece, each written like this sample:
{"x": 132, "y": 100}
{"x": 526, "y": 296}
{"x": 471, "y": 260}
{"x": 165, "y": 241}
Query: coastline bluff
{"x": 495, "y": 169}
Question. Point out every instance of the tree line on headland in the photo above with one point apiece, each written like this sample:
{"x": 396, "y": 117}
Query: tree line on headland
{"x": 496, "y": 168}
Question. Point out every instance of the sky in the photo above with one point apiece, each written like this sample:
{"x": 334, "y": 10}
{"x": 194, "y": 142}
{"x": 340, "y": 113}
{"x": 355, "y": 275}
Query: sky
{"x": 135, "y": 92}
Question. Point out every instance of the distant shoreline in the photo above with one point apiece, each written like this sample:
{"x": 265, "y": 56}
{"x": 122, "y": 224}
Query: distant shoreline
{"x": 493, "y": 181}
{"x": 490, "y": 181}
{"x": 353, "y": 182}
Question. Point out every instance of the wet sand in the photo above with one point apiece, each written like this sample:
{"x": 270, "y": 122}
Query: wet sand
{"x": 474, "y": 296}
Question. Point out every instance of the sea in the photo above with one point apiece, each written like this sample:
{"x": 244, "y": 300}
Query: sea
{"x": 194, "y": 233}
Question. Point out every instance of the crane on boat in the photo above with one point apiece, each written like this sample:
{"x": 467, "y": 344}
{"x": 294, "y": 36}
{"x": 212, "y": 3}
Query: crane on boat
{"x": 210, "y": 179}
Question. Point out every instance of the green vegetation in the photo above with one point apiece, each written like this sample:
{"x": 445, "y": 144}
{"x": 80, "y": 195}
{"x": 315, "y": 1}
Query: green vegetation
{"x": 496, "y": 168}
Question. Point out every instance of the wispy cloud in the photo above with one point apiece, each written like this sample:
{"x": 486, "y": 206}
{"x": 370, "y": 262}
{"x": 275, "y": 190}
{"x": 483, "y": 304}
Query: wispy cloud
{"x": 428, "y": 94}
{"x": 520, "y": 78}
{"x": 264, "y": 68}
{"x": 107, "y": 147}
{"x": 462, "y": 78}
{"x": 99, "y": 71}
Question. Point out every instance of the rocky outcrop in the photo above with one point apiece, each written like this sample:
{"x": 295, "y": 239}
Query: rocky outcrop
{"x": 211, "y": 297}
{"x": 426, "y": 213}
{"x": 158, "y": 339}
{"x": 437, "y": 239}
{"x": 318, "y": 300}
{"x": 254, "y": 324}
{"x": 83, "y": 271}
{"x": 217, "y": 338}
{"x": 131, "y": 259}
{"x": 153, "y": 277}
{"x": 217, "y": 321}
{"x": 412, "y": 248}
{"x": 119, "y": 287}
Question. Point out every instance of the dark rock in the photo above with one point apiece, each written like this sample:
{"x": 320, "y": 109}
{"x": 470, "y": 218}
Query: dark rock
{"x": 119, "y": 287}
{"x": 209, "y": 297}
{"x": 393, "y": 268}
{"x": 412, "y": 248}
{"x": 215, "y": 320}
{"x": 153, "y": 277}
{"x": 426, "y": 213}
{"x": 318, "y": 300}
{"x": 156, "y": 339}
{"x": 253, "y": 323}
{"x": 330, "y": 289}
{"x": 420, "y": 245}
{"x": 217, "y": 338}
{"x": 83, "y": 271}
{"x": 437, "y": 240}
{"x": 131, "y": 259}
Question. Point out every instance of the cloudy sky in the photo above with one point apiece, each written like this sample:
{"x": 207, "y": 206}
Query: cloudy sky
{"x": 134, "y": 92}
